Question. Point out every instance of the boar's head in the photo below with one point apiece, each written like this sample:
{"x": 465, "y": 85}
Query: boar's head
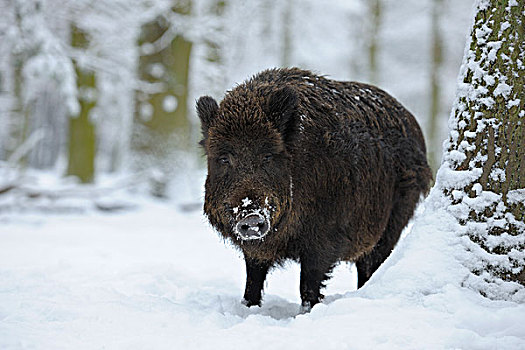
{"x": 247, "y": 141}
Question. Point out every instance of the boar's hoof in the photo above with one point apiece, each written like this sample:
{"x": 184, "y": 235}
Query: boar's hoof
{"x": 250, "y": 303}
{"x": 306, "y": 307}
{"x": 253, "y": 226}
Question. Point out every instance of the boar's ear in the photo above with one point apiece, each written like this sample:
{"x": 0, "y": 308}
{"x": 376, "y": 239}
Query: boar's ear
{"x": 207, "y": 109}
{"x": 281, "y": 109}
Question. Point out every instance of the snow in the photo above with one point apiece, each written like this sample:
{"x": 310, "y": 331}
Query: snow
{"x": 246, "y": 202}
{"x": 502, "y": 89}
{"x": 516, "y": 196}
{"x": 170, "y": 103}
{"x": 160, "y": 278}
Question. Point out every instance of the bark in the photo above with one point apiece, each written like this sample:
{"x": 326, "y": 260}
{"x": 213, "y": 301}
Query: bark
{"x": 486, "y": 150}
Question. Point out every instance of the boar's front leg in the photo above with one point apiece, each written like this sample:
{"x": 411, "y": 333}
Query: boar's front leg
{"x": 256, "y": 272}
{"x": 314, "y": 272}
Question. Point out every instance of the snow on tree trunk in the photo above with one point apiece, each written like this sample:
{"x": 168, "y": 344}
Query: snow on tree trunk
{"x": 215, "y": 45}
{"x": 18, "y": 130}
{"x": 483, "y": 170}
{"x": 40, "y": 84}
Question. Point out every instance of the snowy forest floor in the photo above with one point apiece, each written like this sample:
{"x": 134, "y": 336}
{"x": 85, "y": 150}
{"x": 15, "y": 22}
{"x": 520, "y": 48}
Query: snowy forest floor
{"x": 156, "y": 277}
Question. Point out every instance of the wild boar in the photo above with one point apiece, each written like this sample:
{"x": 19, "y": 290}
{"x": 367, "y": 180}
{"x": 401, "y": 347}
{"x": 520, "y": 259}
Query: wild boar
{"x": 311, "y": 169}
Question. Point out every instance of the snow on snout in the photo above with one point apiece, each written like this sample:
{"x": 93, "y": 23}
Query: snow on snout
{"x": 246, "y": 213}
{"x": 246, "y": 202}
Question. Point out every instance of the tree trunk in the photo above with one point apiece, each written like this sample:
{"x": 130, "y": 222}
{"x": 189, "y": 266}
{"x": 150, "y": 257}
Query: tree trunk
{"x": 81, "y": 159}
{"x": 484, "y": 166}
{"x": 162, "y": 109}
{"x": 19, "y": 123}
{"x": 213, "y": 48}
{"x": 375, "y": 24}
{"x": 435, "y": 86}
{"x": 19, "y": 126}
{"x": 215, "y": 45}
{"x": 165, "y": 111}
{"x": 286, "y": 55}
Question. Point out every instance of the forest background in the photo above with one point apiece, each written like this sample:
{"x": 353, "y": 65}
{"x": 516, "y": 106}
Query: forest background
{"x": 103, "y": 92}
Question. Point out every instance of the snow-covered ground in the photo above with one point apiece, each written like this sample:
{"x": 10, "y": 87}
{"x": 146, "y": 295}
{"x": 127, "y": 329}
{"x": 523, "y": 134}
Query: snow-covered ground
{"x": 157, "y": 277}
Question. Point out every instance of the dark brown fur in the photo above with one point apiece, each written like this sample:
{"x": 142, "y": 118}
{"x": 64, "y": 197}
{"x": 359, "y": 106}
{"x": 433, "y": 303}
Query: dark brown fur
{"x": 340, "y": 167}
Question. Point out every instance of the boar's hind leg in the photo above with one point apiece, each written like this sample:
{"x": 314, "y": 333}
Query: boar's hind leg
{"x": 401, "y": 213}
{"x": 256, "y": 272}
{"x": 313, "y": 273}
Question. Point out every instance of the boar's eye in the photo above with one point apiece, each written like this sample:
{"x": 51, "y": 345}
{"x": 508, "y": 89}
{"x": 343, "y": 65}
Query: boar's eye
{"x": 267, "y": 157}
{"x": 223, "y": 160}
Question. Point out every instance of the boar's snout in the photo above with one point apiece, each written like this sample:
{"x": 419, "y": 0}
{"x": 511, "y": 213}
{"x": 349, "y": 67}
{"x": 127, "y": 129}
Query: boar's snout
{"x": 253, "y": 226}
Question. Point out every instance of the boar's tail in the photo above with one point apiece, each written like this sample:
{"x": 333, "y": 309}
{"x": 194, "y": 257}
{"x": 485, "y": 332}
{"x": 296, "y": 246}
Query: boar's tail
{"x": 414, "y": 172}
{"x": 416, "y": 178}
